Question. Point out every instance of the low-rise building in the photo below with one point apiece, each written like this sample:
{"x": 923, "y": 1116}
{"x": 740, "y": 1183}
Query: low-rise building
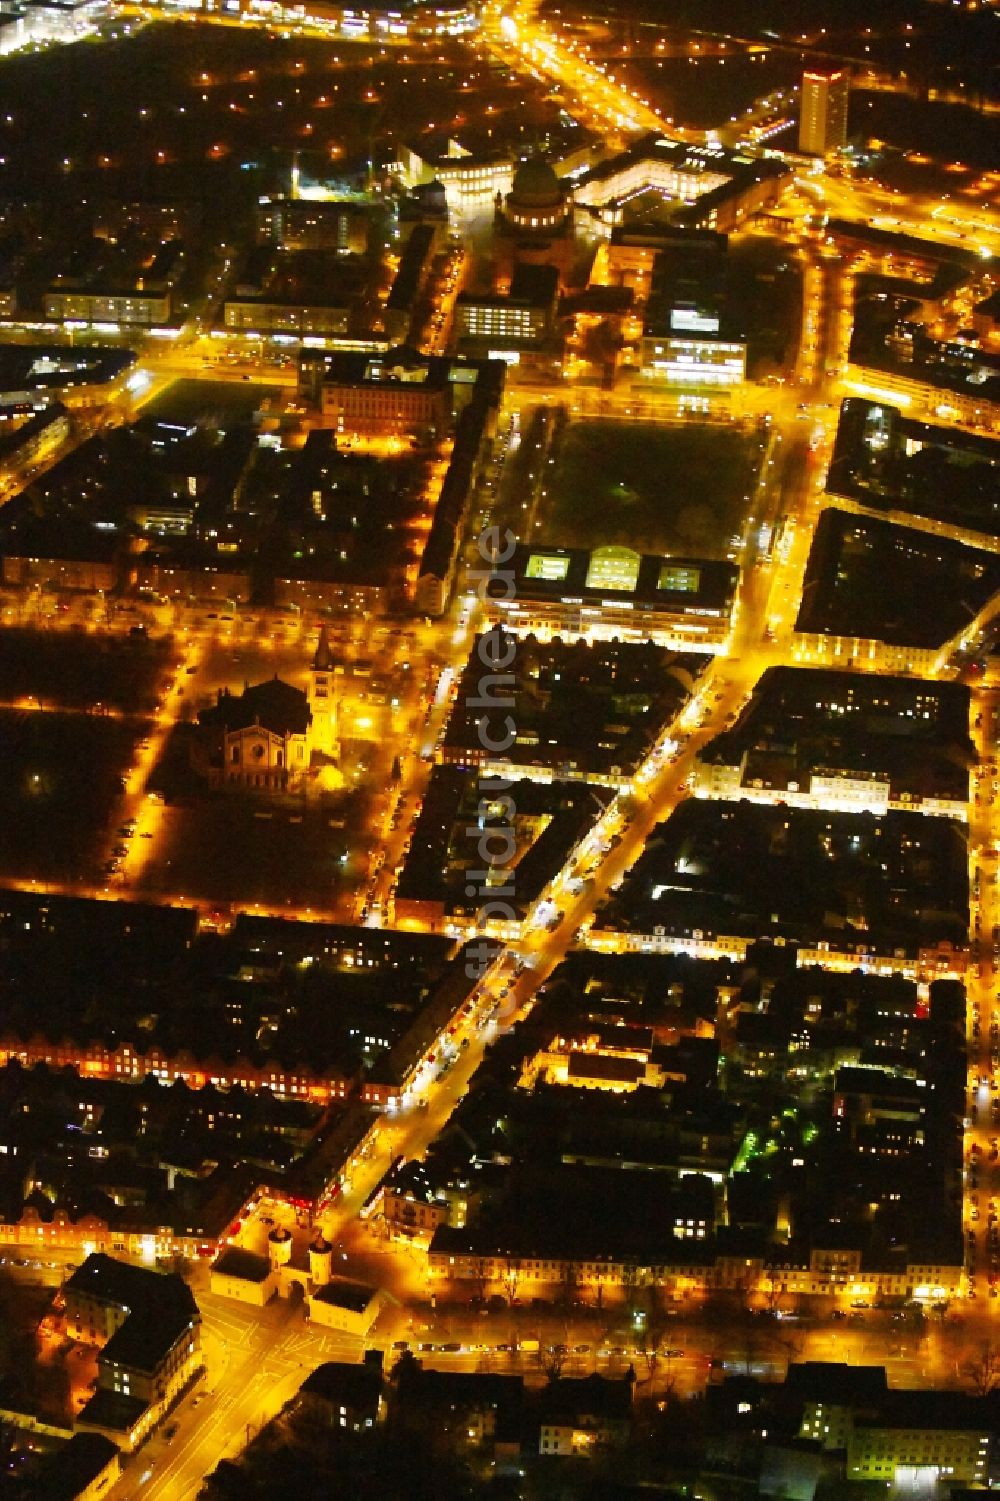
{"x": 847, "y": 742}
{"x": 869, "y": 582}
{"x": 832, "y": 1396}
{"x": 941, "y": 479}
{"x": 945, "y": 1433}
{"x": 243, "y": 1276}
{"x": 522, "y": 319}
{"x": 266, "y": 315}
{"x": 392, "y": 394}
{"x": 27, "y": 443}
{"x": 684, "y": 603}
{"x": 462, "y": 174}
{"x": 986, "y": 319}
{"x": 309, "y": 223}
{"x": 83, "y": 1469}
{"x": 411, "y": 278}
{"x": 725, "y": 186}
{"x": 259, "y": 738}
{"x": 582, "y": 1416}
{"x": 345, "y": 1396}
{"x": 411, "y": 1206}
{"x": 144, "y": 308}
{"x": 147, "y": 1326}
{"x": 689, "y": 362}
{"x": 345, "y": 1306}
{"x": 81, "y": 376}
{"x": 476, "y": 1409}
{"x": 112, "y": 284}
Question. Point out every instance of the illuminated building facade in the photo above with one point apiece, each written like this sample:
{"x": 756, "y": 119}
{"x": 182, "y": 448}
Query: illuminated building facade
{"x": 305, "y": 223}
{"x": 922, "y": 1436}
{"x": 258, "y": 314}
{"x": 144, "y": 308}
{"x": 691, "y": 361}
{"x": 720, "y": 188}
{"x": 525, "y": 317}
{"x": 537, "y": 203}
{"x": 614, "y": 592}
{"x": 264, "y": 738}
{"x": 148, "y": 1327}
{"x": 823, "y": 113}
{"x": 462, "y": 174}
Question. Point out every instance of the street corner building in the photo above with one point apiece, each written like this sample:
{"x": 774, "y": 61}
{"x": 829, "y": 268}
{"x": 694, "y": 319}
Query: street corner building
{"x": 148, "y": 1327}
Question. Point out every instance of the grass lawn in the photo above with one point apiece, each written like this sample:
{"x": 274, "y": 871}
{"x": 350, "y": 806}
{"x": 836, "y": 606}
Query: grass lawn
{"x": 680, "y": 490}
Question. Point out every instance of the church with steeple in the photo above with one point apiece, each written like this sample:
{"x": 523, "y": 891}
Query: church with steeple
{"x": 269, "y": 737}
{"x": 323, "y": 701}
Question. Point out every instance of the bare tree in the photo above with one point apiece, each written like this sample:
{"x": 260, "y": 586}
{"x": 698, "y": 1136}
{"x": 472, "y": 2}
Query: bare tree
{"x": 510, "y": 1277}
{"x": 480, "y": 1276}
{"x": 772, "y": 1290}
{"x": 569, "y": 1286}
{"x": 654, "y": 1330}
{"x": 748, "y": 1341}
{"x": 630, "y": 1284}
{"x": 982, "y": 1371}
{"x": 791, "y": 1344}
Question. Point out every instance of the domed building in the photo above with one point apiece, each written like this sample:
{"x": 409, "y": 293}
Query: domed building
{"x": 537, "y": 204}
{"x": 534, "y": 224}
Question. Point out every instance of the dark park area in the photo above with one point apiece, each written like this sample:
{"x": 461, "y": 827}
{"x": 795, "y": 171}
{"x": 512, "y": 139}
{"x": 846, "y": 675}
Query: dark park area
{"x": 680, "y": 489}
{"x": 74, "y": 670}
{"x": 63, "y": 773}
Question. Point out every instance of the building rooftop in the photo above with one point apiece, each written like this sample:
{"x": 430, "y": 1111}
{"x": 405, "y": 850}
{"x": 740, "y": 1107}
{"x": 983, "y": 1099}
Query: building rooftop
{"x": 580, "y": 708}
{"x": 53, "y": 367}
{"x": 274, "y": 705}
{"x": 113, "y": 1410}
{"x": 535, "y": 182}
{"x": 70, "y": 1470}
{"x": 356, "y": 1297}
{"x": 709, "y": 161}
{"x": 583, "y": 1065}
{"x": 803, "y": 722}
{"x": 893, "y": 462}
{"x": 691, "y": 586}
{"x": 804, "y": 874}
{"x": 339, "y": 1382}
{"x": 837, "y": 1383}
{"x": 160, "y": 1308}
{"x": 234, "y": 1261}
{"x": 873, "y": 580}
{"x": 929, "y": 1411}
{"x": 572, "y": 1398}
{"x": 457, "y": 1390}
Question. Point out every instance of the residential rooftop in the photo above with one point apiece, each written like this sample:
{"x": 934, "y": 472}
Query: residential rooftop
{"x": 870, "y": 579}
{"x": 892, "y": 462}
{"x": 691, "y": 586}
{"x": 798, "y": 873}
{"x": 160, "y": 1308}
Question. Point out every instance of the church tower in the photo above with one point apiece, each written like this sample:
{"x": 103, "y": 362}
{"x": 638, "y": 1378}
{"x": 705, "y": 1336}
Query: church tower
{"x": 322, "y": 699}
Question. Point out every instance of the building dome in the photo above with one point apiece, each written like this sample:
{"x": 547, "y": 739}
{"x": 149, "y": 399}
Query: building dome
{"x": 279, "y": 1247}
{"x": 537, "y": 200}
{"x": 320, "y": 1260}
{"x": 536, "y": 182}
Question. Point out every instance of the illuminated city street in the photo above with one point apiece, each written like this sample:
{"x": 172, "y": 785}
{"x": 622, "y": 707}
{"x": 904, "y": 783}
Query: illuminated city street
{"x": 500, "y": 892}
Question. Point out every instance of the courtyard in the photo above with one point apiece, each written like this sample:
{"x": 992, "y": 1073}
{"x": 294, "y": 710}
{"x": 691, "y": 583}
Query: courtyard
{"x": 676, "y": 490}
